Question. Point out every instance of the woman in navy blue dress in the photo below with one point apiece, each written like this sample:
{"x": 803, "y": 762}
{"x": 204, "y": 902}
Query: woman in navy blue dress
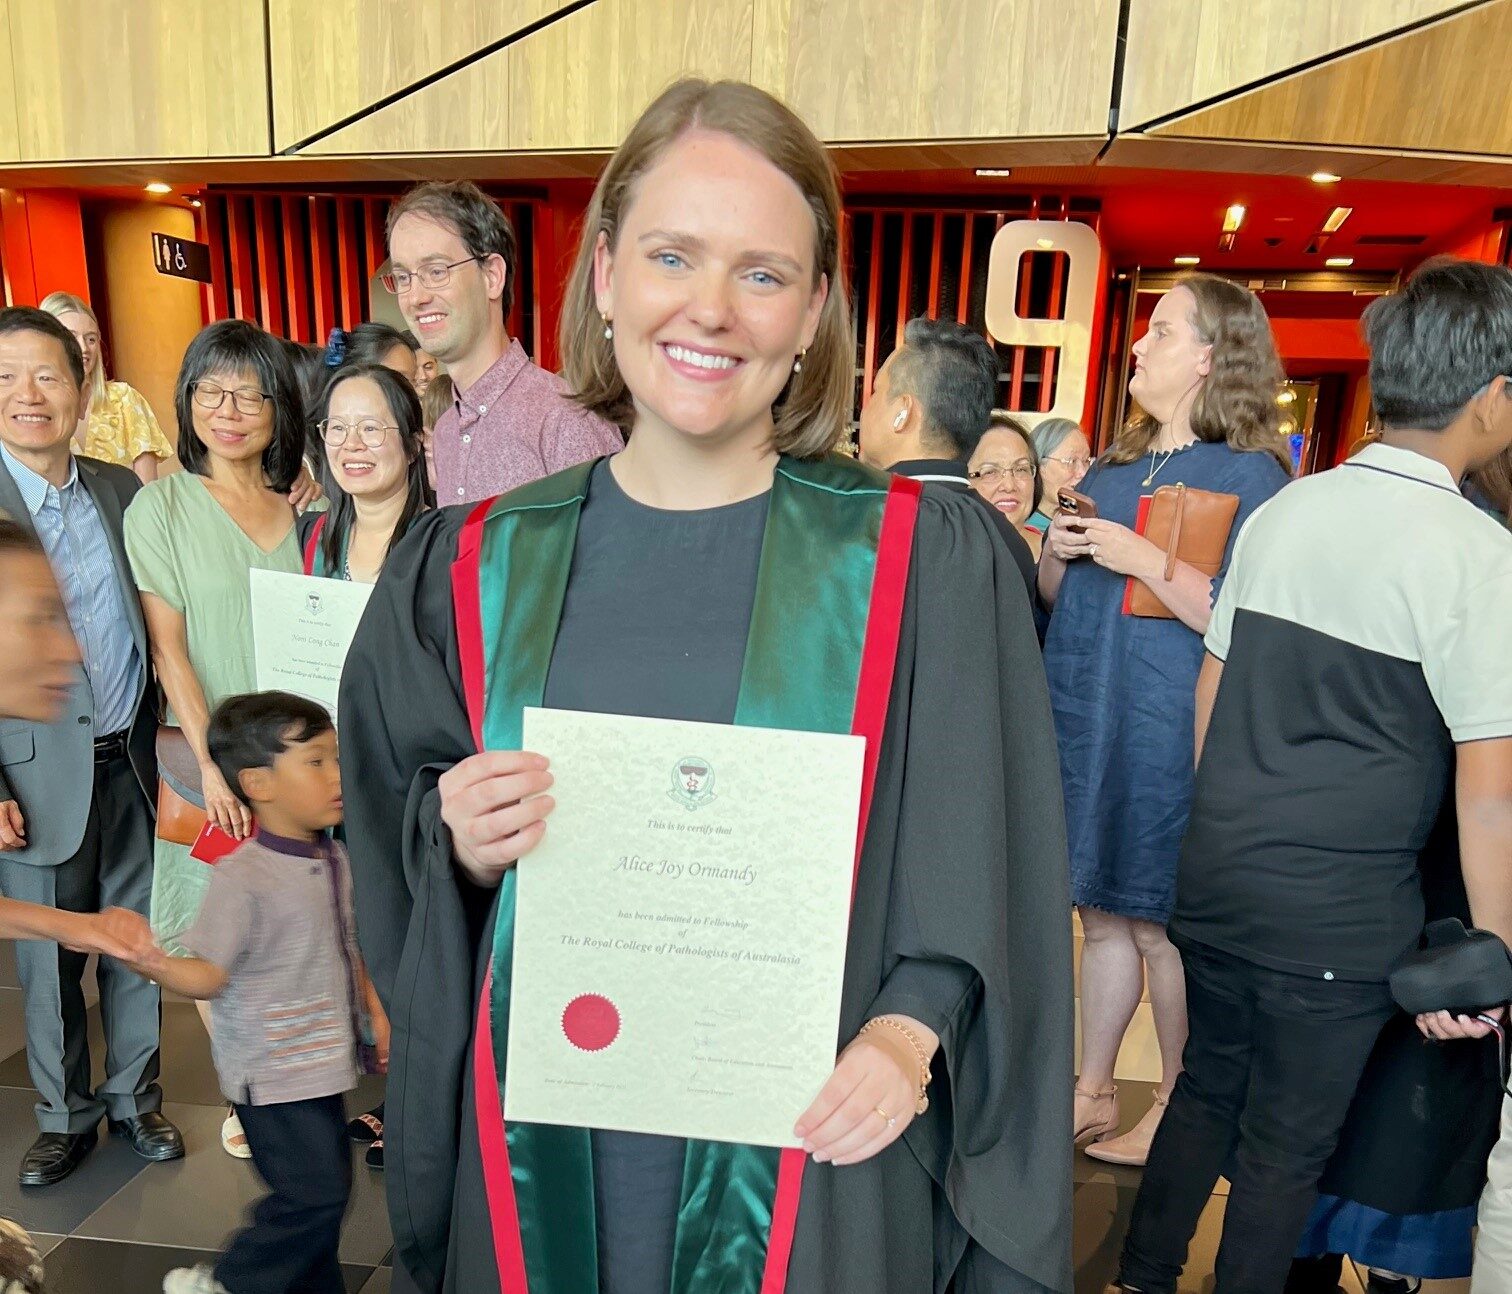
{"x": 1206, "y": 379}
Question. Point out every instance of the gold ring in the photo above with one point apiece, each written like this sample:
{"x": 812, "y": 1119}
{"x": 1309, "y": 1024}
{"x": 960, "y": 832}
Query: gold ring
{"x": 888, "y": 1119}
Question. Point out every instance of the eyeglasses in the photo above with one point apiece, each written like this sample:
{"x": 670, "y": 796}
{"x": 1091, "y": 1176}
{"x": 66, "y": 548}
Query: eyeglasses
{"x": 371, "y": 434}
{"x": 432, "y": 275}
{"x": 991, "y": 472}
{"x": 247, "y": 399}
{"x": 1075, "y": 464}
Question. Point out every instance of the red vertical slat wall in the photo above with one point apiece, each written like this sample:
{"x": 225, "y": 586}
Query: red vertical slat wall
{"x": 303, "y": 264}
{"x": 350, "y": 283}
{"x": 322, "y": 267}
{"x": 873, "y": 310}
{"x": 296, "y": 262}
{"x": 239, "y": 239}
{"x": 270, "y": 296}
{"x": 1016, "y": 380}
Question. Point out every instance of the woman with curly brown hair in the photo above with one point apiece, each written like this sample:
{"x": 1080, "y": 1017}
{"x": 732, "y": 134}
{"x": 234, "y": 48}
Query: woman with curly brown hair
{"x": 1122, "y": 686}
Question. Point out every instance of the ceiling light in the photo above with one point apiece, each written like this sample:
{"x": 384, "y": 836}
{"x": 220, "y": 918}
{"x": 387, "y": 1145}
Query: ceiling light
{"x": 157, "y": 186}
{"x": 1325, "y": 177}
{"x": 1336, "y": 218}
{"x": 1189, "y": 260}
{"x": 195, "y": 202}
{"x": 993, "y": 172}
{"x": 1339, "y": 262}
{"x": 1234, "y": 217}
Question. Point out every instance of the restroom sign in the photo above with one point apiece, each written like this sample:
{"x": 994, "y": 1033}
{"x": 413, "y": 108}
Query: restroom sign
{"x": 181, "y": 258}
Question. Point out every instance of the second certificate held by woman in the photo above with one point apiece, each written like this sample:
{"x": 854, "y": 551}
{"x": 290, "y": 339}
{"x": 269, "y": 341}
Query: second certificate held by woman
{"x": 725, "y": 567}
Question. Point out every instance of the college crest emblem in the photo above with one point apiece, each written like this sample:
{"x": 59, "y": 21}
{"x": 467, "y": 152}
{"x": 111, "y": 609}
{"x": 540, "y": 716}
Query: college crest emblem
{"x": 692, "y": 782}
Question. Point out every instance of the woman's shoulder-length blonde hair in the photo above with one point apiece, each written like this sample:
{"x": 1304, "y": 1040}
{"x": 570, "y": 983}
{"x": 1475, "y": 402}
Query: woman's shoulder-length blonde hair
{"x": 812, "y": 414}
{"x": 1237, "y": 401}
{"x": 58, "y": 304}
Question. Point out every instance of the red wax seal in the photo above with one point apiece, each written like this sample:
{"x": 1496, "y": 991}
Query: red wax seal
{"x": 591, "y": 1022}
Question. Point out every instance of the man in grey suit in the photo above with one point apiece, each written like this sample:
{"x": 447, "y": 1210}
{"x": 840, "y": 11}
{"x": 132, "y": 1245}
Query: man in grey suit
{"x": 76, "y": 795}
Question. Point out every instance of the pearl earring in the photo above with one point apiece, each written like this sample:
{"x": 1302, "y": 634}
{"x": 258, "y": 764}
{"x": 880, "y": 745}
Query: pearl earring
{"x": 608, "y": 328}
{"x": 798, "y": 363}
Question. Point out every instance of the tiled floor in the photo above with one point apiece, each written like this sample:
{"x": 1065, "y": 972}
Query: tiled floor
{"x": 118, "y": 1223}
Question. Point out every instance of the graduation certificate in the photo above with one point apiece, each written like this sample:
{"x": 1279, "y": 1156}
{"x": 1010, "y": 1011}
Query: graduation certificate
{"x": 680, "y": 931}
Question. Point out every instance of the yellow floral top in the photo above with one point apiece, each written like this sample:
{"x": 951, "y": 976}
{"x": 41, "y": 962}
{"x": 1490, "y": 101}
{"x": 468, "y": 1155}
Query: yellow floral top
{"x": 122, "y": 427}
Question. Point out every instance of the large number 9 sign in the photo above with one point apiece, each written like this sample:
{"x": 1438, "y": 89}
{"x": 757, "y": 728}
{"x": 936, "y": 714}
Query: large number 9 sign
{"x": 1072, "y": 336}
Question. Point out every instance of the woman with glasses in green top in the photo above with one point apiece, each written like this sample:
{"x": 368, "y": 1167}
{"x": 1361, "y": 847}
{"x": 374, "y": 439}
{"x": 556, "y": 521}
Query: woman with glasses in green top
{"x": 1064, "y": 454}
{"x": 193, "y": 539}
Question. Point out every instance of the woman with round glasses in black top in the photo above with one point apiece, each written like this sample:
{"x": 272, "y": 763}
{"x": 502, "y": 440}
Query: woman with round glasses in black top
{"x": 373, "y": 470}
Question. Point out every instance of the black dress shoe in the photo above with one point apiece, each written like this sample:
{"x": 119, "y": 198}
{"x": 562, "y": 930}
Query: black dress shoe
{"x": 54, "y": 1155}
{"x": 151, "y": 1136}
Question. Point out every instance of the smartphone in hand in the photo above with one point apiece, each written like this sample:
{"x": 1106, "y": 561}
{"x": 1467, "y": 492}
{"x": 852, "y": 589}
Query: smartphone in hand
{"x": 1074, "y": 503}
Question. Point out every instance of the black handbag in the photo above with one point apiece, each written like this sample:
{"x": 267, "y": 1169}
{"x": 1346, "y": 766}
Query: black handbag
{"x": 1457, "y": 970}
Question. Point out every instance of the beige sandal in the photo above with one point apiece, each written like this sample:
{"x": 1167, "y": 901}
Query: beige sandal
{"x": 1100, "y": 1125}
{"x": 1133, "y": 1148}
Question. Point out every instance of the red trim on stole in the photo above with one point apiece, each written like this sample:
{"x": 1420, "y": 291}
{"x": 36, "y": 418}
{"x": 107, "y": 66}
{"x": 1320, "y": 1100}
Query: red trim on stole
{"x": 879, "y": 658}
{"x": 498, "y": 1178}
{"x": 879, "y": 654}
{"x": 466, "y": 605}
{"x": 312, "y": 544}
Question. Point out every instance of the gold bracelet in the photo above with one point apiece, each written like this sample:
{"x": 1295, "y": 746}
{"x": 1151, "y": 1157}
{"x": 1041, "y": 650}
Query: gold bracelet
{"x": 921, "y": 1101}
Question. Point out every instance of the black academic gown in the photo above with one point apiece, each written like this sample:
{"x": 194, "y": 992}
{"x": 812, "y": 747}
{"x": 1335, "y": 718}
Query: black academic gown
{"x": 966, "y": 830}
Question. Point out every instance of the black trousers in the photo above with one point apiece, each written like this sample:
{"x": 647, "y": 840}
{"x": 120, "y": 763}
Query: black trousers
{"x": 301, "y": 1150}
{"x": 112, "y": 868}
{"x": 1270, "y": 1067}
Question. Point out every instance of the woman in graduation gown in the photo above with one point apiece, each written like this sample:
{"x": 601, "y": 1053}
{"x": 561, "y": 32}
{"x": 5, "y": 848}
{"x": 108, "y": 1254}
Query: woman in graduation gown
{"x": 725, "y": 567}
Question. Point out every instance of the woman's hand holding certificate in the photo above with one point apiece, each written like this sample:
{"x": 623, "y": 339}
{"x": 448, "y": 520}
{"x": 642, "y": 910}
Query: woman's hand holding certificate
{"x": 486, "y": 802}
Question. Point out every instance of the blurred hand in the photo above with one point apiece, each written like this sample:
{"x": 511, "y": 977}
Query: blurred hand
{"x": 1118, "y": 549}
{"x": 12, "y": 826}
{"x": 382, "y": 1036}
{"x": 221, "y": 807}
{"x": 306, "y": 490}
{"x": 485, "y": 801}
{"x": 1441, "y": 1026}
{"x": 115, "y": 932}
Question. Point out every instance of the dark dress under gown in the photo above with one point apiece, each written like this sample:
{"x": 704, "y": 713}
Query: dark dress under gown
{"x": 959, "y": 916}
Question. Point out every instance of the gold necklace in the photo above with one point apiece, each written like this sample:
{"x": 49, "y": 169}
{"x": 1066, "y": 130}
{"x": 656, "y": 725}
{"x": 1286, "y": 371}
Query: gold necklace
{"x": 1155, "y": 471}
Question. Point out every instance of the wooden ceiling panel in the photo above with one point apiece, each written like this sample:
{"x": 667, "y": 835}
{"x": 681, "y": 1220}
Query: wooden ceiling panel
{"x": 1184, "y": 52}
{"x": 859, "y": 70}
{"x": 335, "y": 58}
{"x": 138, "y": 78}
{"x": 1411, "y": 92}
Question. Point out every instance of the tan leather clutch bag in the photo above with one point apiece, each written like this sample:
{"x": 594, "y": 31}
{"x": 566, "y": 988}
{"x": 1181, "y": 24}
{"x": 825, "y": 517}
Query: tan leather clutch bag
{"x": 1188, "y": 525}
{"x": 181, "y": 798}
